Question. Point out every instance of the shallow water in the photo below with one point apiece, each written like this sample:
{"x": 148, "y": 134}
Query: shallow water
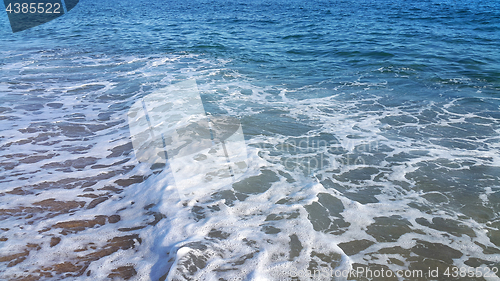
{"x": 372, "y": 134}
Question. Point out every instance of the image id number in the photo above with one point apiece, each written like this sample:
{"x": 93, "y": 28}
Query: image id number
{"x": 34, "y": 8}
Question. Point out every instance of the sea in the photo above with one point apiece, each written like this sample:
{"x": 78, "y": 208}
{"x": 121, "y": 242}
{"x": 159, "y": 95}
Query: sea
{"x": 369, "y": 138}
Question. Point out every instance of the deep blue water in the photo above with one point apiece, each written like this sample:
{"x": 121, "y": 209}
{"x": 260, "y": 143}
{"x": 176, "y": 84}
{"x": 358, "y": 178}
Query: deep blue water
{"x": 294, "y": 42}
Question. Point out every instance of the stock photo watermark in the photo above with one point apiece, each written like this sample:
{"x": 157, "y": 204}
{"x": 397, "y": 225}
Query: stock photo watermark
{"x": 26, "y": 14}
{"x": 311, "y": 154}
{"x": 170, "y": 127}
{"x": 366, "y": 272}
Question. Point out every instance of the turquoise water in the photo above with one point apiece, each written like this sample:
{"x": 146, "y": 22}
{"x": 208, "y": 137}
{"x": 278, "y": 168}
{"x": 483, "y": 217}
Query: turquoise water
{"x": 372, "y": 134}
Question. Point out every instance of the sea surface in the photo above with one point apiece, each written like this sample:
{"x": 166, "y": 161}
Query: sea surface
{"x": 372, "y": 134}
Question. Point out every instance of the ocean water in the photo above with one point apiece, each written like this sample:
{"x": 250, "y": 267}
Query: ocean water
{"x": 371, "y": 128}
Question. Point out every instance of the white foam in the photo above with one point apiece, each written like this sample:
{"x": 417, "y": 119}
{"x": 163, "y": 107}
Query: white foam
{"x": 251, "y": 253}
